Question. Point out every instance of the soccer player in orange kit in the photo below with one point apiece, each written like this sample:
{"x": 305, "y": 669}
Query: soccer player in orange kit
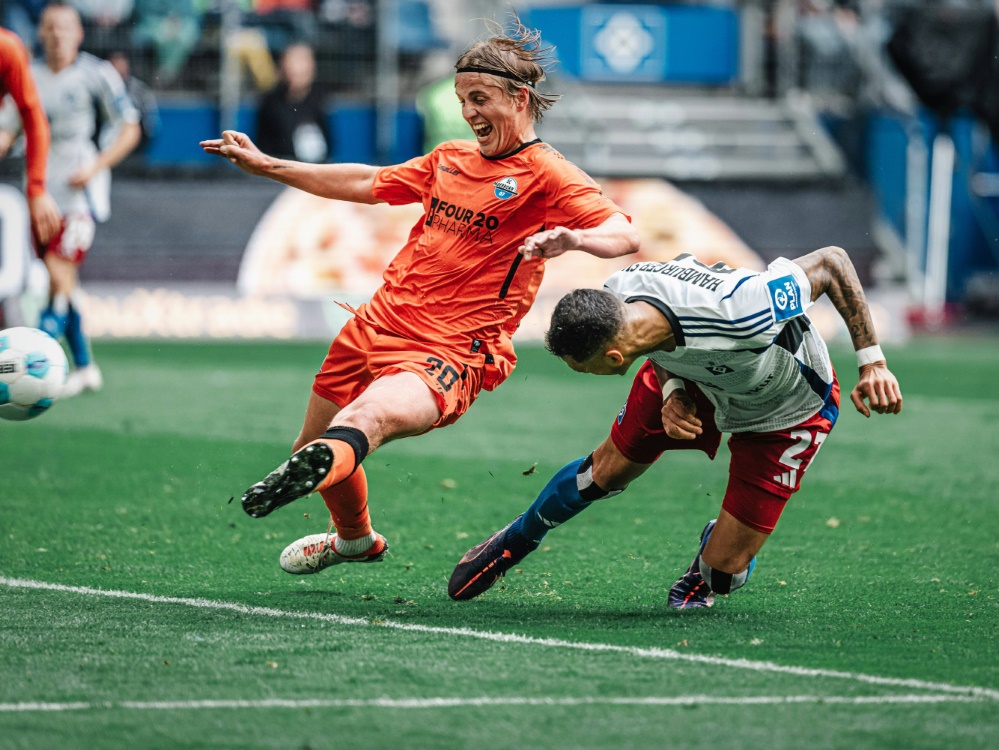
{"x": 16, "y": 80}
{"x": 438, "y": 330}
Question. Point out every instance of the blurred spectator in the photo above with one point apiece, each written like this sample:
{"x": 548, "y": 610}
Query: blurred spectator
{"x": 106, "y": 13}
{"x": 249, "y": 47}
{"x": 356, "y": 13}
{"x": 867, "y": 34}
{"x": 142, "y": 97}
{"x": 284, "y": 22}
{"x": 106, "y": 23}
{"x": 846, "y": 69}
{"x": 21, "y": 17}
{"x": 172, "y": 28}
{"x": 827, "y": 66}
{"x": 291, "y": 121}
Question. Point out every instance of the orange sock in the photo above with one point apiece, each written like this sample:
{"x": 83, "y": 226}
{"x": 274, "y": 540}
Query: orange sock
{"x": 344, "y": 460}
{"x": 348, "y": 504}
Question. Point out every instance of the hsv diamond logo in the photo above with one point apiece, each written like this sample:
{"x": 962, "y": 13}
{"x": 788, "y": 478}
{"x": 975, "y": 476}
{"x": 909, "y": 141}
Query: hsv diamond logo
{"x": 719, "y": 369}
{"x": 505, "y": 188}
{"x": 786, "y": 296}
{"x": 624, "y": 43}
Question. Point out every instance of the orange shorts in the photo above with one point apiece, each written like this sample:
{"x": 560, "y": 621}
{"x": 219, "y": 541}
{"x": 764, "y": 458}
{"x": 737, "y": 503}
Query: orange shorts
{"x": 362, "y": 352}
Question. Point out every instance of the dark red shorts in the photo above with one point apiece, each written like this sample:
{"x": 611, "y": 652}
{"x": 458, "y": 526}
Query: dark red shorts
{"x": 73, "y": 240}
{"x": 766, "y": 467}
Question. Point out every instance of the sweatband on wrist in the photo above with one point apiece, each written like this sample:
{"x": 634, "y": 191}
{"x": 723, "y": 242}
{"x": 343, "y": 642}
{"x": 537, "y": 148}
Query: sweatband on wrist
{"x": 869, "y": 355}
{"x": 673, "y": 384}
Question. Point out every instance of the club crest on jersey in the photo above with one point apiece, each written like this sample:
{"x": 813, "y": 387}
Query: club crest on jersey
{"x": 505, "y": 188}
{"x": 719, "y": 369}
{"x": 786, "y": 297}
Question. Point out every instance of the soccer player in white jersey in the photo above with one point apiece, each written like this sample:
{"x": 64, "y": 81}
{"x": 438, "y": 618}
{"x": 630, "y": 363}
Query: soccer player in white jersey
{"x": 728, "y": 350}
{"x": 75, "y": 87}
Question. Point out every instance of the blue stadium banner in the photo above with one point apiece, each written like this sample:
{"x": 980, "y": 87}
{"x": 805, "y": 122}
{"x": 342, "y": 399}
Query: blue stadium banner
{"x": 643, "y": 43}
{"x": 623, "y": 43}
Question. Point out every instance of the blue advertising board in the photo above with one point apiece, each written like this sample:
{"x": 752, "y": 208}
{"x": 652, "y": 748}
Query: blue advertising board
{"x": 643, "y": 43}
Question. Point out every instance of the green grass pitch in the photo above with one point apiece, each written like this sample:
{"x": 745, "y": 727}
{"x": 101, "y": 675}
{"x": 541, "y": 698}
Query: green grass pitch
{"x": 138, "y": 608}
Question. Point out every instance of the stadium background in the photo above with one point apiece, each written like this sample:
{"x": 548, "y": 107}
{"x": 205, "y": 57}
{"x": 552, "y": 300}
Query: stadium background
{"x": 749, "y": 130}
{"x": 766, "y": 127}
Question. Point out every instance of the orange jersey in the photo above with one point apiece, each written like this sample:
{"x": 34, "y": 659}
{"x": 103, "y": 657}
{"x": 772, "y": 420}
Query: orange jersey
{"x": 16, "y": 80}
{"x": 459, "y": 278}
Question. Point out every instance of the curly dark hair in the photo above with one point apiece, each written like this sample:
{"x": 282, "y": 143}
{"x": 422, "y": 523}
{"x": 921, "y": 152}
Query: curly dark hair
{"x": 583, "y": 321}
{"x": 518, "y": 52}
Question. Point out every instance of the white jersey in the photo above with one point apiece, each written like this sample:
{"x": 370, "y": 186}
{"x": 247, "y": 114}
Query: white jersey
{"x": 741, "y": 335}
{"x": 74, "y": 99}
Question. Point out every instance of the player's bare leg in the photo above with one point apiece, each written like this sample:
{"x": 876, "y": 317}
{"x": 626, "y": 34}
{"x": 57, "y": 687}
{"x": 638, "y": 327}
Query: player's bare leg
{"x": 611, "y": 470}
{"x": 732, "y": 544}
{"x": 394, "y": 406}
{"x": 725, "y": 560}
{"x": 63, "y": 277}
{"x": 328, "y": 460}
{"x": 319, "y": 415}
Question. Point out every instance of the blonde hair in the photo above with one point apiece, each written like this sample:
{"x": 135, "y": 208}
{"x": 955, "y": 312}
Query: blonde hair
{"x": 517, "y": 54}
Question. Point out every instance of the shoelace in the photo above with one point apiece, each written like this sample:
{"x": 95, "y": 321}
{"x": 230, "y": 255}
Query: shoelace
{"x": 328, "y": 541}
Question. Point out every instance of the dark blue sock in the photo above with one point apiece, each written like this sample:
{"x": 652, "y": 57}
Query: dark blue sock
{"x": 558, "y": 502}
{"x": 78, "y": 346}
{"x": 52, "y": 322}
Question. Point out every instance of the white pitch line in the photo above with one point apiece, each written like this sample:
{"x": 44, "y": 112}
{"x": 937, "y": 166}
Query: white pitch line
{"x": 648, "y": 653}
{"x": 408, "y": 703}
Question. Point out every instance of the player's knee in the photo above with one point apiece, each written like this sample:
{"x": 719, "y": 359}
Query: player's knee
{"x": 386, "y": 413}
{"x": 589, "y": 488}
{"x": 721, "y": 582}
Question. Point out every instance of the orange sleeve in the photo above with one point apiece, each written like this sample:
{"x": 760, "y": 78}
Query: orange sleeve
{"x": 20, "y": 85}
{"x": 577, "y": 200}
{"x": 407, "y": 182}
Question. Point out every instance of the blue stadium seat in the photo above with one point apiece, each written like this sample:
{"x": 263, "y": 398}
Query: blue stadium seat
{"x": 416, "y": 29}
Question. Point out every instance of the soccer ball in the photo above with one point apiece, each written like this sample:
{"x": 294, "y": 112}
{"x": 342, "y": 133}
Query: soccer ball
{"x": 33, "y": 370}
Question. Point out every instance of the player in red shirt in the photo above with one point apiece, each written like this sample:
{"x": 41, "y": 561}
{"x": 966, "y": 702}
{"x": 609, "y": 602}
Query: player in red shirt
{"x": 438, "y": 330}
{"x": 16, "y": 80}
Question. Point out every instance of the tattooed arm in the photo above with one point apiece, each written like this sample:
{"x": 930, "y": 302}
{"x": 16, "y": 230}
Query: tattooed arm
{"x": 830, "y": 272}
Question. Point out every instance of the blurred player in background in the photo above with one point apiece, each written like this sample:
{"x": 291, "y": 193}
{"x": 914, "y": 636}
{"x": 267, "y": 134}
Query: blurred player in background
{"x": 76, "y": 89}
{"x": 728, "y": 350}
{"x": 438, "y": 330}
{"x": 16, "y": 80}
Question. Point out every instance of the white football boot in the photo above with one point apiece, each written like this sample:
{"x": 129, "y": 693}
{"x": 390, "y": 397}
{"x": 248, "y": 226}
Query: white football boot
{"x": 316, "y": 552}
{"x": 82, "y": 379}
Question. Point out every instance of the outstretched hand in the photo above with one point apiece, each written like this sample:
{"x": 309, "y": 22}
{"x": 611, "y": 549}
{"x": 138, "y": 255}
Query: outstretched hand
{"x": 240, "y": 150}
{"x": 879, "y": 387}
{"x": 550, "y": 243}
{"x": 680, "y": 416}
